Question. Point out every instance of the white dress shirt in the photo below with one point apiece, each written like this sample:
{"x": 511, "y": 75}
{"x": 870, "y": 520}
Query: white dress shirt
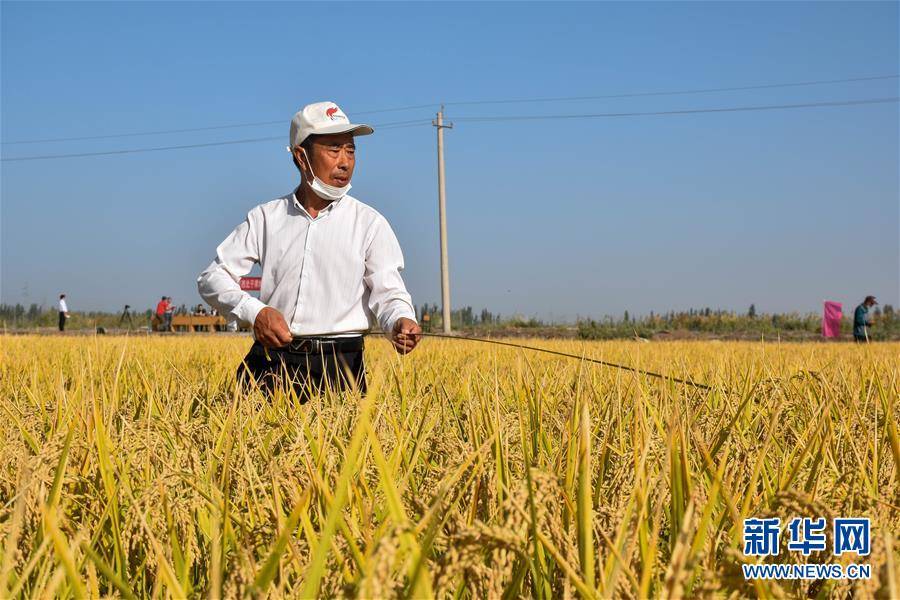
{"x": 62, "y": 305}
{"x": 336, "y": 274}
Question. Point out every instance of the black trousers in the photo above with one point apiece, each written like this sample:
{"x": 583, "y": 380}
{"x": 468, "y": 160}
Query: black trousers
{"x": 62, "y": 321}
{"x": 306, "y": 373}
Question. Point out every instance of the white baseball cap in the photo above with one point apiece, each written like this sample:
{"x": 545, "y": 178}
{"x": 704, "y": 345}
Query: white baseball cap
{"x": 323, "y": 118}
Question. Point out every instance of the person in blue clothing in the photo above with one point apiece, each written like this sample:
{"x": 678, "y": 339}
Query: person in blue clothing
{"x": 861, "y": 321}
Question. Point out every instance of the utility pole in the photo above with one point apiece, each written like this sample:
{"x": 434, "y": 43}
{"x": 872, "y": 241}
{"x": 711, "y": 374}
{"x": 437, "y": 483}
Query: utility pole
{"x": 442, "y": 214}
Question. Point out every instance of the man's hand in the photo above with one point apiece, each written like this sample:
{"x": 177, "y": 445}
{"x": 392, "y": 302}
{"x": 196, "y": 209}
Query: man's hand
{"x": 270, "y": 328}
{"x": 405, "y": 335}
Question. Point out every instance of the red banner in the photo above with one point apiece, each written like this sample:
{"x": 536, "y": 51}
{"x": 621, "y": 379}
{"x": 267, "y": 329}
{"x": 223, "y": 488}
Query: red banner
{"x": 831, "y": 319}
{"x": 251, "y": 284}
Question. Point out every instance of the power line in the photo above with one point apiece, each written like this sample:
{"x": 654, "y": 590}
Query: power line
{"x": 414, "y": 123}
{"x": 195, "y": 129}
{"x": 136, "y": 150}
{"x": 140, "y": 133}
{"x": 470, "y": 103}
{"x": 679, "y": 92}
{"x": 398, "y": 125}
{"x": 682, "y": 112}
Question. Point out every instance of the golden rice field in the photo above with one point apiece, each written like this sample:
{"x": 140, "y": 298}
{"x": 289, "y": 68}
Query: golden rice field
{"x": 129, "y": 467}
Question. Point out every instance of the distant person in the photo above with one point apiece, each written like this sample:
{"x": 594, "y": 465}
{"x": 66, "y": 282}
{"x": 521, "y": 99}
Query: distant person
{"x": 312, "y": 326}
{"x": 861, "y": 321}
{"x": 169, "y": 312}
{"x": 63, "y": 312}
{"x": 161, "y": 312}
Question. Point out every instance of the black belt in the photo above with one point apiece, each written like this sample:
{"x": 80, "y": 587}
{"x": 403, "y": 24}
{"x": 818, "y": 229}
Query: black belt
{"x": 316, "y": 345}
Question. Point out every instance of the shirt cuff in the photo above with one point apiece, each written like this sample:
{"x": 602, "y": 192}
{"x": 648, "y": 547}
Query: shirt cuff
{"x": 247, "y": 309}
{"x": 403, "y": 311}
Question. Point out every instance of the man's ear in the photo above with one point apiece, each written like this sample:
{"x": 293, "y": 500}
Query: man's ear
{"x": 300, "y": 160}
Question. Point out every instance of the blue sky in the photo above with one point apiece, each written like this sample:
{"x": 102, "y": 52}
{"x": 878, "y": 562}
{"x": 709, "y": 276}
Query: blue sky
{"x": 548, "y": 218}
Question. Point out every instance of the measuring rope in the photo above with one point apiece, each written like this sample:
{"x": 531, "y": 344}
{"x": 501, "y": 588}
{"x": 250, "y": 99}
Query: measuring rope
{"x": 701, "y": 386}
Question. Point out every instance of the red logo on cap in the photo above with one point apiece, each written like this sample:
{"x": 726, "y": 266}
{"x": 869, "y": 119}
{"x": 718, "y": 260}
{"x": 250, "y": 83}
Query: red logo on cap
{"x": 331, "y": 112}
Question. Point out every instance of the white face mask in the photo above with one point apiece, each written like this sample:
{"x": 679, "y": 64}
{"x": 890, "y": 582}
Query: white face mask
{"x": 322, "y": 189}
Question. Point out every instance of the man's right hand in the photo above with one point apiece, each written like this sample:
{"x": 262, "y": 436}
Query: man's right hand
{"x": 270, "y": 328}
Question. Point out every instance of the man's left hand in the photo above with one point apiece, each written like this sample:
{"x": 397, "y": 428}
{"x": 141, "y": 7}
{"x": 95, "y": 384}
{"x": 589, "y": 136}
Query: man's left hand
{"x": 405, "y": 335}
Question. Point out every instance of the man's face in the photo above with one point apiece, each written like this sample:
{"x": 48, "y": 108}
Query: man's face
{"x": 333, "y": 158}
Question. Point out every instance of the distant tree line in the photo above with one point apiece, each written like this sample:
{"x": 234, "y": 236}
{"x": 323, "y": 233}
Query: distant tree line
{"x": 704, "y": 320}
{"x": 459, "y": 317}
{"x": 723, "y": 322}
{"x": 17, "y": 316}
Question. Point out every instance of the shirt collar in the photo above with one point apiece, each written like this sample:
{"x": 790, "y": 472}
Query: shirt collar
{"x": 299, "y": 205}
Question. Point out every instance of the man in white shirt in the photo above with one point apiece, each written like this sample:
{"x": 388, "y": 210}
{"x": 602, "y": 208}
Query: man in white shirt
{"x": 63, "y": 312}
{"x": 330, "y": 268}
